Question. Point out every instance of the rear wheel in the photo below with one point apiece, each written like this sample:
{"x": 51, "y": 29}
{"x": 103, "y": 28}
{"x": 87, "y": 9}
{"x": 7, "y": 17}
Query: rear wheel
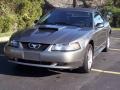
{"x": 87, "y": 64}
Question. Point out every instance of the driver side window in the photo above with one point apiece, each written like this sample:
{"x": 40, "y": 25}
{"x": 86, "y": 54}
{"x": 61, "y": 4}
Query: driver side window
{"x": 97, "y": 18}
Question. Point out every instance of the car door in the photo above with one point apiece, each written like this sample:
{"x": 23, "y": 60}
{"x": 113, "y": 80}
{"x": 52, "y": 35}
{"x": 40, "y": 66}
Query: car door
{"x": 100, "y": 31}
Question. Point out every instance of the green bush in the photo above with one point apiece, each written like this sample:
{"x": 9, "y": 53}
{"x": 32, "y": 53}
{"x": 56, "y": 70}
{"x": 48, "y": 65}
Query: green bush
{"x": 1, "y": 23}
{"x": 114, "y": 7}
{"x": 6, "y": 23}
{"x": 19, "y": 14}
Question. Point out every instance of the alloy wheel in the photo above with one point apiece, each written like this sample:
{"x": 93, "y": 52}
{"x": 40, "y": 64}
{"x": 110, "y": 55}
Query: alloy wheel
{"x": 90, "y": 58}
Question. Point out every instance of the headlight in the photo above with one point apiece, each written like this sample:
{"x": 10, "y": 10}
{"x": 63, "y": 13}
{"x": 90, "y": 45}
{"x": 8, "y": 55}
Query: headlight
{"x": 14, "y": 43}
{"x": 66, "y": 47}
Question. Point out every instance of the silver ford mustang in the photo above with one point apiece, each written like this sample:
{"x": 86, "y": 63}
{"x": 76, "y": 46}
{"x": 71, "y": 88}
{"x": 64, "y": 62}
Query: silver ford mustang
{"x": 65, "y": 38}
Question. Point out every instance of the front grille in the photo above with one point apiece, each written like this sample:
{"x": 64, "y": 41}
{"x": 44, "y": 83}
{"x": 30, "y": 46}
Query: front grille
{"x": 34, "y": 62}
{"x": 41, "y": 48}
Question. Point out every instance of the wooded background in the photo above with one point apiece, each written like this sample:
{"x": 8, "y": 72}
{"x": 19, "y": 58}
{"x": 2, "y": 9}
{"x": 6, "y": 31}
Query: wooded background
{"x": 19, "y": 14}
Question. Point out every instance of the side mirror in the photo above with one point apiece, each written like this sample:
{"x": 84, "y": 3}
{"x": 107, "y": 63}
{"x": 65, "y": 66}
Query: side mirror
{"x": 35, "y": 21}
{"x": 99, "y": 25}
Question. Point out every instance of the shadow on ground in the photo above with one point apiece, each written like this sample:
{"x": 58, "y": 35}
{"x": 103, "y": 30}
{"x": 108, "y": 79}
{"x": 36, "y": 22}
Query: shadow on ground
{"x": 2, "y": 44}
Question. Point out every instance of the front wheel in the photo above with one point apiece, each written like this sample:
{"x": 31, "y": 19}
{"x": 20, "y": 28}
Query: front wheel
{"x": 88, "y": 61}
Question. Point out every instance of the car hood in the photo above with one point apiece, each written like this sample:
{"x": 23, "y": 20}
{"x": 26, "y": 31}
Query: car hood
{"x": 51, "y": 34}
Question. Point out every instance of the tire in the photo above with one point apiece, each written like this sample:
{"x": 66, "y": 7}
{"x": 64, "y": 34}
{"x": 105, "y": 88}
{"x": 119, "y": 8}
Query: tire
{"x": 107, "y": 44}
{"x": 88, "y": 61}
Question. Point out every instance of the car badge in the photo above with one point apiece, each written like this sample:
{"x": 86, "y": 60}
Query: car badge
{"x": 34, "y": 45}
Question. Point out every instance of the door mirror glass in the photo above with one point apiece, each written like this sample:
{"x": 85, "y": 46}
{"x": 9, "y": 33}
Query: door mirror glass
{"x": 99, "y": 25}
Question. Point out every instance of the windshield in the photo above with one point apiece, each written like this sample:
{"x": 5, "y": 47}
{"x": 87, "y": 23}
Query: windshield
{"x": 75, "y": 18}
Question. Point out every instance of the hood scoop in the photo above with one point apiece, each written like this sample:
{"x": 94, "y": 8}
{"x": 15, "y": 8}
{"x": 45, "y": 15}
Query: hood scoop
{"x": 47, "y": 29}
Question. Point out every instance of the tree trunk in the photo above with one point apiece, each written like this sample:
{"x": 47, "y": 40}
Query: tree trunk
{"x": 85, "y": 3}
{"x": 74, "y": 3}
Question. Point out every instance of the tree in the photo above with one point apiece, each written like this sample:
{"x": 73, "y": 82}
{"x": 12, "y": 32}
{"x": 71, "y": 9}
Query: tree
{"x": 114, "y": 7}
{"x": 19, "y": 13}
{"x": 74, "y": 3}
{"x": 85, "y": 4}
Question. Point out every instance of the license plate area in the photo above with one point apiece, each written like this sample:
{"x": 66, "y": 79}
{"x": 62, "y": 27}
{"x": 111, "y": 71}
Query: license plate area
{"x": 32, "y": 56}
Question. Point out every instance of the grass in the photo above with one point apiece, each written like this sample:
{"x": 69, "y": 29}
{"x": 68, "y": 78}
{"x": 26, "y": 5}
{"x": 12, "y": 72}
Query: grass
{"x": 115, "y": 28}
{"x": 6, "y": 34}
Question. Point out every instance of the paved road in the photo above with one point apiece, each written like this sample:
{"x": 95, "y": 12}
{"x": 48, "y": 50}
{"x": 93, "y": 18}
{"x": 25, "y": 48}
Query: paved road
{"x": 104, "y": 76}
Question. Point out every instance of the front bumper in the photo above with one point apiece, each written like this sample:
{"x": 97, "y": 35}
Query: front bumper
{"x": 57, "y": 59}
